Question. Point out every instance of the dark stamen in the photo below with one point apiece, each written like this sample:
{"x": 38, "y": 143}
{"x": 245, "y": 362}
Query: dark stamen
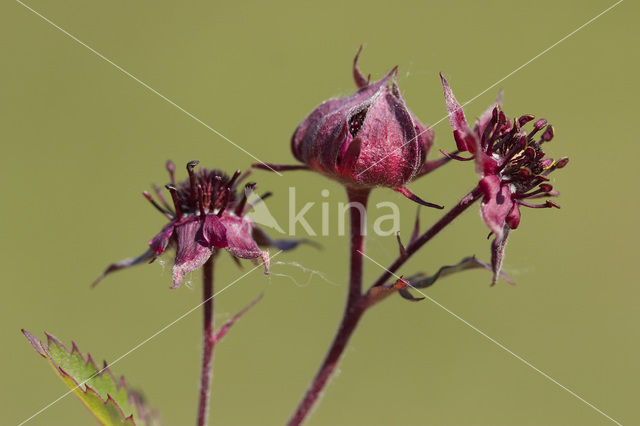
{"x": 192, "y": 180}
{"x": 248, "y": 189}
{"x": 156, "y": 205}
{"x": 225, "y": 200}
{"x": 161, "y": 197}
{"x": 524, "y": 119}
{"x": 176, "y": 200}
{"x": 243, "y": 176}
{"x": 235, "y": 176}
{"x": 200, "y": 199}
{"x": 544, "y": 188}
{"x": 548, "y": 134}
{"x": 515, "y": 150}
{"x": 171, "y": 168}
{"x": 546, "y": 205}
{"x": 489, "y": 131}
{"x": 214, "y": 191}
{"x": 537, "y": 126}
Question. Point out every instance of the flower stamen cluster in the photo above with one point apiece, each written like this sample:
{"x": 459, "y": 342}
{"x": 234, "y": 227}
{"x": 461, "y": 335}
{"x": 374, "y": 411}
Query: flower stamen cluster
{"x": 206, "y": 213}
{"x": 511, "y": 163}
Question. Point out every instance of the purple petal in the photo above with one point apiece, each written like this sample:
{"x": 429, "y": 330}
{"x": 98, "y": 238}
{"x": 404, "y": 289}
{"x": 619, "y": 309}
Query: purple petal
{"x": 485, "y": 164}
{"x": 240, "y": 239}
{"x": 465, "y": 140}
{"x": 496, "y": 204}
{"x": 315, "y": 141}
{"x": 348, "y": 158}
{"x": 513, "y": 218}
{"x": 190, "y": 254}
{"x": 160, "y": 242}
{"x": 391, "y": 152}
{"x": 214, "y": 233}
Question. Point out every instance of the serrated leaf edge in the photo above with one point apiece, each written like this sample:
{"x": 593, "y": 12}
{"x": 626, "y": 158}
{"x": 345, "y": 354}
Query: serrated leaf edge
{"x": 43, "y": 351}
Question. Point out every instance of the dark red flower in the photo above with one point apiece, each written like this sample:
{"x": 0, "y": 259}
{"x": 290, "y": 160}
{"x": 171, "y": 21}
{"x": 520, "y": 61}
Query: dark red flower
{"x": 207, "y": 214}
{"x": 511, "y": 163}
{"x": 368, "y": 139}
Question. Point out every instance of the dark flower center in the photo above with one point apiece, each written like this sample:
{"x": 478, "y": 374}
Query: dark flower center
{"x": 205, "y": 192}
{"x": 519, "y": 155}
{"x": 212, "y": 190}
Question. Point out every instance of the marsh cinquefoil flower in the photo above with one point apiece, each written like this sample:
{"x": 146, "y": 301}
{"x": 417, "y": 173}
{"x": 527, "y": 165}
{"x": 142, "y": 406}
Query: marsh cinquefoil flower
{"x": 207, "y": 214}
{"x": 511, "y": 164}
{"x": 365, "y": 140}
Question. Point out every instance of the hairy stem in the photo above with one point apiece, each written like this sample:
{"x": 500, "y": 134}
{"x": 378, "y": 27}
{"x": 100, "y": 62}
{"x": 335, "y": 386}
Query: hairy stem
{"x": 415, "y": 245}
{"x": 353, "y": 310}
{"x": 208, "y": 342}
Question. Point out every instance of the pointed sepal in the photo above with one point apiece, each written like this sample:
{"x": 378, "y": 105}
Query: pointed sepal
{"x": 471, "y": 262}
{"x": 413, "y": 197}
{"x": 272, "y": 167}
{"x": 123, "y": 264}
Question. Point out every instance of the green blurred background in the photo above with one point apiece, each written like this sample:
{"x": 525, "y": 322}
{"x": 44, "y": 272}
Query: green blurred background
{"x": 81, "y": 140}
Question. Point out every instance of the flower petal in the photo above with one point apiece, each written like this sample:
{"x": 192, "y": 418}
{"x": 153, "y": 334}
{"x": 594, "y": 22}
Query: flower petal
{"x": 391, "y": 152}
{"x": 159, "y": 243}
{"x": 465, "y": 140}
{"x": 213, "y": 232}
{"x": 348, "y": 158}
{"x": 240, "y": 239}
{"x": 485, "y": 164}
{"x": 190, "y": 254}
{"x": 318, "y": 139}
{"x": 513, "y": 219}
{"x": 496, "y": 204}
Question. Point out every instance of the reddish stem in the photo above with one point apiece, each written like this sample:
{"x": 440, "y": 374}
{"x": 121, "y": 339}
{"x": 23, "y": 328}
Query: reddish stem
{"x": 414, "y": 246}
{"x": 357, "y": 303}
{"x": 353, "y": 310}
{"x": 208, "y": 342}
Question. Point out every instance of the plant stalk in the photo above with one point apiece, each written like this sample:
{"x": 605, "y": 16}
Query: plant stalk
{"x": 356, "y": 301}
{"x": 353, "y": 310}
{"x": 208, "y": 342}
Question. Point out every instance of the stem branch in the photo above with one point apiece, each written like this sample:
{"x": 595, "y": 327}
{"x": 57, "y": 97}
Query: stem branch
{"x": 415, "y": 245}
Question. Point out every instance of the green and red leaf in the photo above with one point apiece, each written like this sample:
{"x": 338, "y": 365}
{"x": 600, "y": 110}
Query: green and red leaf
{"x": 106, "y": 397}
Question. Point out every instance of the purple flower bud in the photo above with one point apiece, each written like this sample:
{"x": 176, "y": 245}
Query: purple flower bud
{"x": 366, "y": 140}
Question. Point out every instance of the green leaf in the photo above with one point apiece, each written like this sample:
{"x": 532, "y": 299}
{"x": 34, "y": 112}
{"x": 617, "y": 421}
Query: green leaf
{"x": 108, "y": 399}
